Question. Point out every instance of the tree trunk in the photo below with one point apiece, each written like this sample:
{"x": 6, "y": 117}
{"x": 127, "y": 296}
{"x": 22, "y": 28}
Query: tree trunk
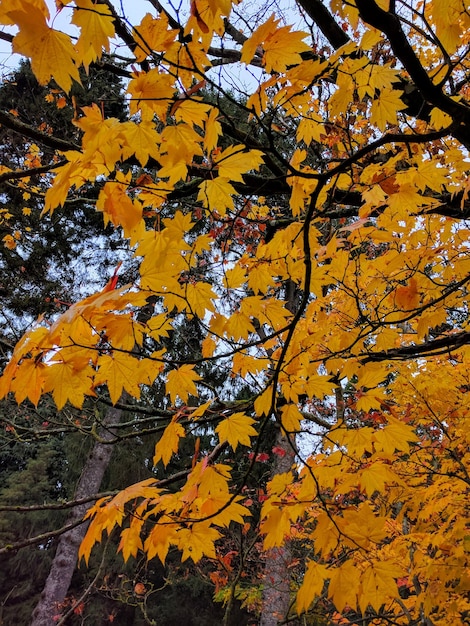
{"x": 65, "y": 559}
{"x": 276, "y": 598}
{"x": 276, "y": 591}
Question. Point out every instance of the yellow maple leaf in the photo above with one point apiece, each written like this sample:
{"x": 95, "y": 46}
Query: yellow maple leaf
{"x": 223, "y": 510}
{"x": 153, "y": 35}
{"x": 236, "y": 429}
{"x": 181, "y": 142}
{"x": 131, "y": 542}
{"x": 93, "y": 535}
{"x": 159, "y": 326}
{"x": 178, "y": 225}
{"x": 371, "y": 375}
{"x": 281, "y": 46}
{"x": 326, "y": 534}
{"x": 199, "y": 297}
{"x": 109, "y": 298}
{"x": 270, "y": 311}
{"x": 118, "y": 208}
{"x": 32, "y": 372}
{"x": 386, "y": 338}
{"x": 320, "y": 386}
{"x": 152, "y": 92}
{"x": 208, "y": 347}
{"x": 378, "y": 584}
{"x": 69, "y": 381}
{"x": 318, "y": 279}
{"x": 344, "y": 586}
{"x": 371, "y": 399}
{"x": 263, "y": 403}
{"x": 192, "y": 112}
{"x": 9, "y": 242}
{"x": 237, "y": 159}
{"x": 239, "y": 326}
{"x": 279, "y": 484}
{"x": 213, "y": 130}
{"x": 291, "y": 417}
{"x": 385, "y": 108}
{"x": 376, "y": 476}
{"x": 357, "y": 441}
{"x": 97, "y": 28}
{"x": 407, "y": 297}
{"x": 198, "y": 541}
{"x": 199, "y": 412}
{"x": 106, "y": 514}
{"x": 21, "y": 5}
{"x": 244, "y": 364}
{"x": 168, "y": 443}
{"x": 276, "y": 526}
{"x": 203, "y": 242}
{"x": 51, "y": 52}
{"x": 362, "y": 526}
{"x": 310, "y": 129}
{"x": 260, "y": 278}
{"x": 251, "y": 44}
{"x": 120, "y": 372}
{"x": 439, "y": 119}
{"x": 160, "y": 538}
{"x": 142, "y": 140}
{"x": 341, "y": 99}
{"x": 105, "y": 517}
{"x": 150, "y": 368}
{"x": 216, "y": 195}
{"x": 143, "y": 489}
{"x": 123, "y": 331}
{"x": 180, "y": 382}
{"x": 394, "y": 436}
{"x": 234, "y": 277}
{"x": 312, "y": 585}
{"x": 370, "y": 38}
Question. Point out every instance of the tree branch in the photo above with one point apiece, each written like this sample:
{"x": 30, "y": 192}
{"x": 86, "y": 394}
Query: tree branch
{"x": 390, "y": 24}
{"x": 44, "y": 537}
{"x": 56, "y": 506}
{"x": 16, "y": 174}
{"x": 318, "y": 12}
{"x": 11, "y": 122}
{"x": 443, "y": 345}
{"x": 6, "y": 37}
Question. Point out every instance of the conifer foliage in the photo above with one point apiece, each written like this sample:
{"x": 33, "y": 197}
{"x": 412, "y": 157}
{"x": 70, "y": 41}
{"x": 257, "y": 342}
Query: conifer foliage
{"x": 317, "y": 243}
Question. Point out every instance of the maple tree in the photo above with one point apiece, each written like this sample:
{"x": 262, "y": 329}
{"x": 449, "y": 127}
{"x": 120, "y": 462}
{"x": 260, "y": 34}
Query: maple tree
{"x": 318, "y": 241}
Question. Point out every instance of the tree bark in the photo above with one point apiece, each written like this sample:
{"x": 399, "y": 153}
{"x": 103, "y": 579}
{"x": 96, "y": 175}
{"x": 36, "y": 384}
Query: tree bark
{"x": 276, "y": 598}
{"x": 65, "y": 559}
{"x": 276, "y": 591}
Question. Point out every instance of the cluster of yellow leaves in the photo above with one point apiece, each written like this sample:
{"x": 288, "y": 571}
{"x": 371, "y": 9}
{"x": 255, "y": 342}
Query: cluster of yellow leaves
{"x": 415, "y": 535}
{"x": 281, "y": 47}
{"x": 382, "y": 503}
{"x": 190, "y": 521}
{"x": 51, "y": 51}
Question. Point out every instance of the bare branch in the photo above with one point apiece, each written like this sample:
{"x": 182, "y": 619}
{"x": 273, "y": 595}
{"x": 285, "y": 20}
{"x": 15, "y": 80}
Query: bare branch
{"x": 43, "y": 538}
{"x": 11, "y": 122}
{"x": 318, "y": 12}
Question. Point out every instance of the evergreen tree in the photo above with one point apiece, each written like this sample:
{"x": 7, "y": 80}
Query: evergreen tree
{"x": 46, "y": 262}
{"x": 49, "y": 450}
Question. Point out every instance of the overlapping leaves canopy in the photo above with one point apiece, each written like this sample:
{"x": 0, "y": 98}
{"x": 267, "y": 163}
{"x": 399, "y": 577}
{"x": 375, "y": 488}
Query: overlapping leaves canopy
{"x": 321, "y": 244}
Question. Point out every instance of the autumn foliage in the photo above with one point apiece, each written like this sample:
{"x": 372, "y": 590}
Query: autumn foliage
{"x": 314, "y": 227}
